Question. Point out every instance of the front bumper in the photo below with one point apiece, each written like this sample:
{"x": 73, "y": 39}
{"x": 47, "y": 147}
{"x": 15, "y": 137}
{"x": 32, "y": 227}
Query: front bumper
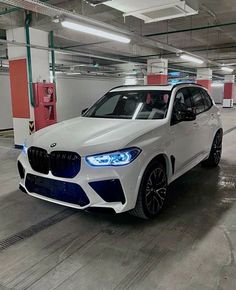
{"x": 107, "y": 187}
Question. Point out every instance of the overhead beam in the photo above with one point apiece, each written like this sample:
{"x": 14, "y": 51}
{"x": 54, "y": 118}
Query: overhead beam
{"x": 190, "y": 29}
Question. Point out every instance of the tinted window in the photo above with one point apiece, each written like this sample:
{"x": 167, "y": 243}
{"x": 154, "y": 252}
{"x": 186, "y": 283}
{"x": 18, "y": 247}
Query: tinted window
{"x": 131, "y": 105}
{"x": 183, "y": 100}
{"x": 182, "y": 103}
{"x": 207, "y": 99}
{"x": 197, "y": 100}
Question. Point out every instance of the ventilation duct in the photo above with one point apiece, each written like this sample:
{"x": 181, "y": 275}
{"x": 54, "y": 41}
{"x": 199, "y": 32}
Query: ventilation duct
{"x": 57, "y": 13}
{"x": 156, "y": 10}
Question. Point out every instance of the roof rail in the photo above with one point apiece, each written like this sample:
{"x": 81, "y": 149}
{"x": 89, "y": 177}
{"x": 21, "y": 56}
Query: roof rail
{"x": 122, "y": 86}
{"x": 174, "y": 86}
{"x": 179, "y": 84}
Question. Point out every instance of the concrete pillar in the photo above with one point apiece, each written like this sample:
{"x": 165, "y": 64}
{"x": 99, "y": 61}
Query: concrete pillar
{"x": 21, "y": 92}
{"x": 204, "y": 78}
{"x": 228, "y": 100}
{"x": 157, "y": 71}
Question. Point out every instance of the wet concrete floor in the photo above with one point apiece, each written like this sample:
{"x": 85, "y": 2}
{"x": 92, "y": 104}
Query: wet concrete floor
{"x": 191, "y": 245}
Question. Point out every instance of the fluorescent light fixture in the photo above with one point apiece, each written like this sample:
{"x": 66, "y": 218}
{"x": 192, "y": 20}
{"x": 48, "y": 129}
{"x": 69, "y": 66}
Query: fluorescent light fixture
{"x": 95, "y": 31}
{"x": 227, "y": 69}
{"x": 191, "y": 58}
{"x": 73, "y": 73}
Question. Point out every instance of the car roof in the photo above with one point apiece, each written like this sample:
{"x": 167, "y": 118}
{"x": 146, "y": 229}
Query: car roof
{"x": 151, "y": 88}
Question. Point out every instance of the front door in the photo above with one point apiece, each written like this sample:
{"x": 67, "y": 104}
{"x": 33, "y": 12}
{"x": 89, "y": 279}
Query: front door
{"x": 185, "y": 133}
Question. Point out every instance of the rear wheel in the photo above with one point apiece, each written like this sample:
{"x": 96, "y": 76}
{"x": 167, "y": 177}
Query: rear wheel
{"x": 216, "y": 151}
{"x": 152, "y": 191}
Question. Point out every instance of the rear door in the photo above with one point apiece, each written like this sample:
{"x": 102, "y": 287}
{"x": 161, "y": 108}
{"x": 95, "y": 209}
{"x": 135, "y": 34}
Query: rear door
{"x": 203, "y": 129}
{"x": 212, "y": 117}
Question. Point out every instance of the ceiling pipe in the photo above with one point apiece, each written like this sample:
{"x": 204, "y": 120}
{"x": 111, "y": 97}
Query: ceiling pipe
{"x": 9, "y": 42}
{"x": 193, "y": 50}
{"x": 16, "y": 43}
{"x": 14, "y": 9}
{"x": 28, "y": 19}
{"x": 53, "y": 59}
{"x": 57, "y": 12}
{"x": 191, "y": 29}
{"x": 9, "y": 10}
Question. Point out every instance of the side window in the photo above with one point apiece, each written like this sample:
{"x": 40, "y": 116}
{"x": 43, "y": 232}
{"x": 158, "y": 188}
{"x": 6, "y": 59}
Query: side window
{"x": 182, "y": 103}
{"x": 207, "y": 99}
{"x": 183, "y": 100}
{"x": 197, "y": 100}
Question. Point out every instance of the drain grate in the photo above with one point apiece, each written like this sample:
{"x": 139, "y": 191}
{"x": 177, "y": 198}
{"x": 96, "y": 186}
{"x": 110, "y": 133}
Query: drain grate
{"x": 34, "y": 229}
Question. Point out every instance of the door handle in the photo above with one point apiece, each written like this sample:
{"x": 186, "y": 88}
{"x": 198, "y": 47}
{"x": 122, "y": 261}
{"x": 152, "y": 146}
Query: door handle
{"x": 195, "y": 124}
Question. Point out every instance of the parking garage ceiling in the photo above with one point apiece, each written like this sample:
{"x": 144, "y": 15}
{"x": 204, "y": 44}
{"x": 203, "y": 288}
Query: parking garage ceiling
{"x": 209, "y": 34}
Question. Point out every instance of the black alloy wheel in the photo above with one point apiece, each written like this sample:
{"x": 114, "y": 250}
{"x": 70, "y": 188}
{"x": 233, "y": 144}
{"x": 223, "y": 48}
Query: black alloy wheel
{"x": 216, "y": 151}
{"x": 152, "y": 192}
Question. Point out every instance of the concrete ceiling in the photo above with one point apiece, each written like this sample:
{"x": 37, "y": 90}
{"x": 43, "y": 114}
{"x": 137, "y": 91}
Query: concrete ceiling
{"x": 214, "y": 43}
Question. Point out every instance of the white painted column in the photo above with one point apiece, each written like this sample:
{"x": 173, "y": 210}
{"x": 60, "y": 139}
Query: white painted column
{"x": 204, "y": 78}
{"x": 157, "y": 71}
{"x": 23, "y": 111}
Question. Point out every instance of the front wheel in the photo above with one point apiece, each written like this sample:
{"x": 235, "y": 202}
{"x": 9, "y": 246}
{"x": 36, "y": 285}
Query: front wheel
{"x": 216, "y": 151}
{"x": 152, "y": 192}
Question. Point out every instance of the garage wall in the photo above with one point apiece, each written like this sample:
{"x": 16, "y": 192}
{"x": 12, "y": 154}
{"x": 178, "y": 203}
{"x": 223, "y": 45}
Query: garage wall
{"x": 5, "y": 102}
{"x": 75, "y": 94}
{"x": 217, "y": 94}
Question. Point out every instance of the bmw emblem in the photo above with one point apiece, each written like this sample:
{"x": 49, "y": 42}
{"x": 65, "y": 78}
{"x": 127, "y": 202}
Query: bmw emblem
{"x": 53, "y": 145}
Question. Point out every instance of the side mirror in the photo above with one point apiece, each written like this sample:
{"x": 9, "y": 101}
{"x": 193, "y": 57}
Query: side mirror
{"x": 84, "y": 111}
{"x": 183, "y": 116}
{"x": 188, "y": 116}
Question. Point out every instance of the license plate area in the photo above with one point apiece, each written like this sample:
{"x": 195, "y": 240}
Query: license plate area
{"x": 56, "y": 189}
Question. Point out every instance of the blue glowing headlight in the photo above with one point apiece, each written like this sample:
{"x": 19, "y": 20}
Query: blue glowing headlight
{"x": 25, "y": 149}
{"x": 117, "y": 158}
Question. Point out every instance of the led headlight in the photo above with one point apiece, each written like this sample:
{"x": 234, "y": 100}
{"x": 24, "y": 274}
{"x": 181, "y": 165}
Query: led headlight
{"x": 25, "y": 149}
{"x": 117, "y": 158}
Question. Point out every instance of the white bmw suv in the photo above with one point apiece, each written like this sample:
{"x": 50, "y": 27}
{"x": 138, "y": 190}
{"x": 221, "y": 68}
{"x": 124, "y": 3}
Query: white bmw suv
{"x": 125, "y": 150}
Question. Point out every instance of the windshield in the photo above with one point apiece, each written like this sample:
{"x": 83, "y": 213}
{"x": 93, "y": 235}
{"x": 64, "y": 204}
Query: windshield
{"x": 147, "y": 105}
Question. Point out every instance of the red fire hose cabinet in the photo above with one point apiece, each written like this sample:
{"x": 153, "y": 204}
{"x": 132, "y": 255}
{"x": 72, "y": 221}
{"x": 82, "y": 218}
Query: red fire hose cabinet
{"x": 45, "y": 105}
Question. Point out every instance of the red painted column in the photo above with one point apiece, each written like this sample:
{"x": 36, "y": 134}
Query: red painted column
{"x": 228, "y": 100}
{"x": 157, "y": 71}
{"x": 204, "y": 78}
{"x": 205, "y": 83}
{"x": 23, "y": 102}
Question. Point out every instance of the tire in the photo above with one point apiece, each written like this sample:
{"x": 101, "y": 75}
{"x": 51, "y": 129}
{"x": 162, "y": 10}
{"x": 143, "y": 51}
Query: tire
{"x": 152, "y": 192}
{"x": 216, "y": 150}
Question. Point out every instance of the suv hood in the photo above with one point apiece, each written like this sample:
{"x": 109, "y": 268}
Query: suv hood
{"x": 92, "y": 135}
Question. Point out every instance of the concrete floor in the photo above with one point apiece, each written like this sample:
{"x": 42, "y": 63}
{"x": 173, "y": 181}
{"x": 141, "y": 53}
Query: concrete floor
{"x": 190, "y": 246}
